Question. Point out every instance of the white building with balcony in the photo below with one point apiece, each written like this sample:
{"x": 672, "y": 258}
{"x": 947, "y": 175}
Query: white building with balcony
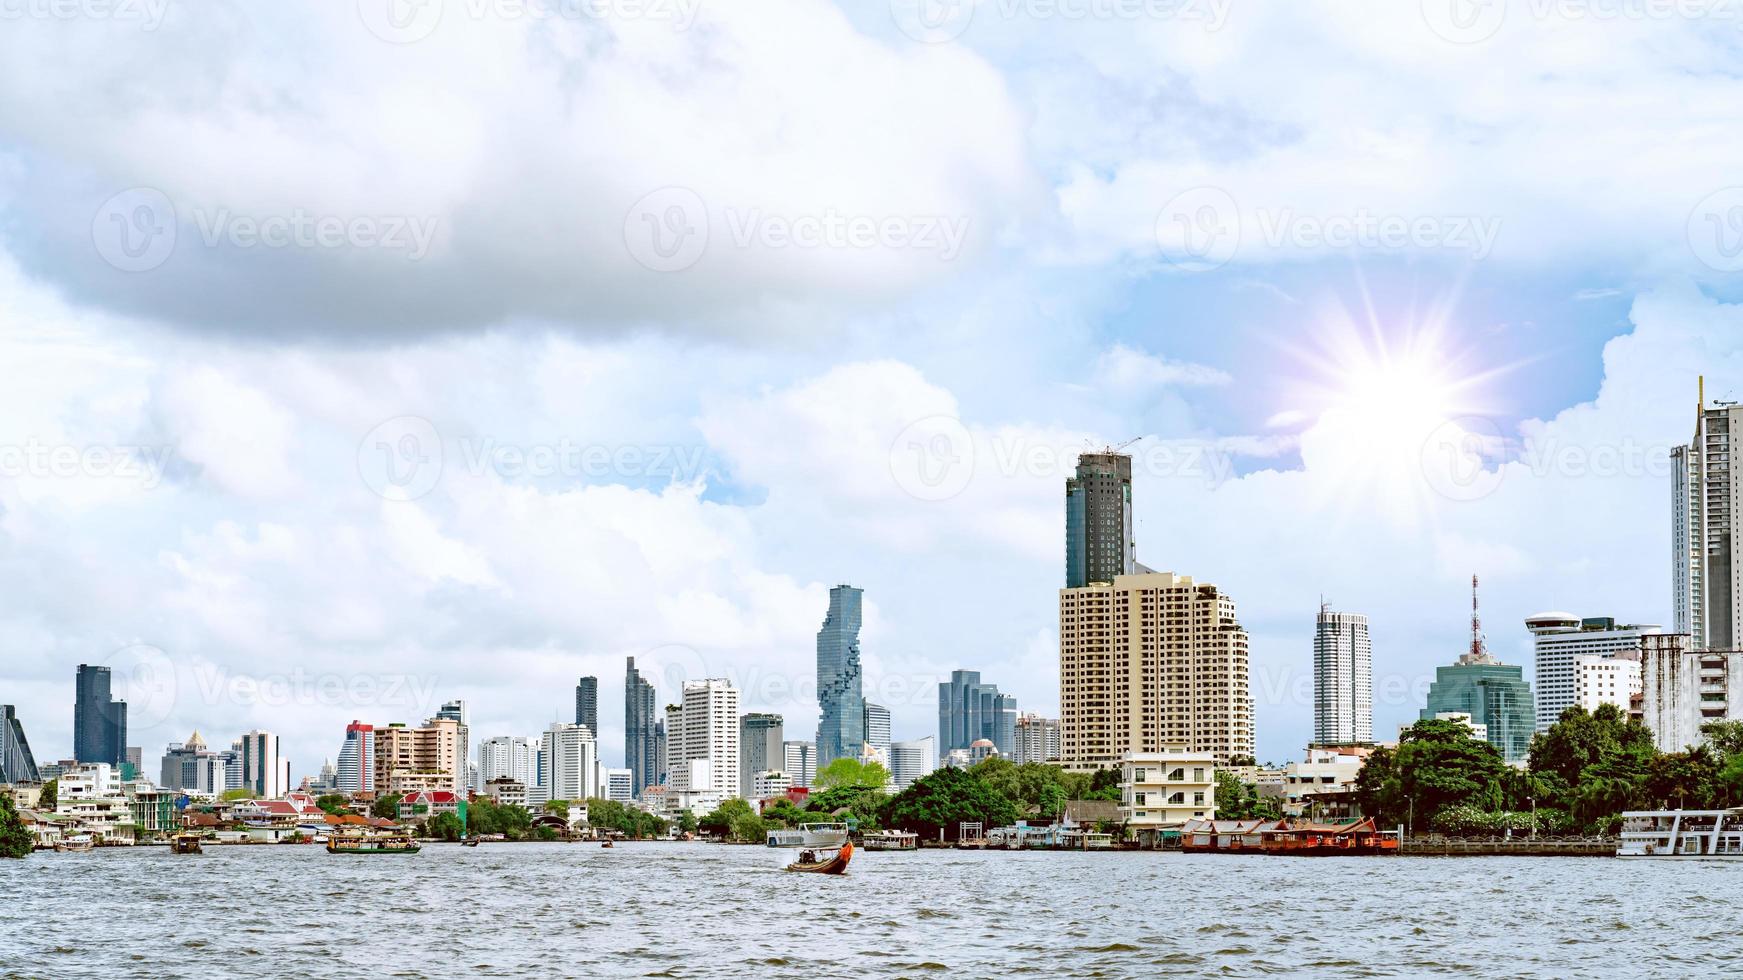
{"x": 1162, "y": 790}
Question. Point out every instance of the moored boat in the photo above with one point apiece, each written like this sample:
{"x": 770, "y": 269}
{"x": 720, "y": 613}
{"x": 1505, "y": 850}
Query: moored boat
{"x": 1682, "y": 834}
{"x": 76, "y": 844}
{"x": 891, "y": 840}
{"x": 824, "y": 862}
{"x": 185, "y": 844}
{"x": 383, "y": 844}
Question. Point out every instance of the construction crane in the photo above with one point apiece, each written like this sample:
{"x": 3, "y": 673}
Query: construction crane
{"x": 1110, "y": 450}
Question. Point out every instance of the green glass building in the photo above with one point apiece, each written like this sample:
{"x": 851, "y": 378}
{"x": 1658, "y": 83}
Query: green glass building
{"x": 1494, "y": 694}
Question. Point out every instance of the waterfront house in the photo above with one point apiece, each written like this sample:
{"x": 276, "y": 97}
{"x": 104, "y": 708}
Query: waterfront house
{"x": 1349, "y": 837}
{"x": 1161, "y": 791}
{"x": 1209, "y": 836}
{"x": 427, "y": 805}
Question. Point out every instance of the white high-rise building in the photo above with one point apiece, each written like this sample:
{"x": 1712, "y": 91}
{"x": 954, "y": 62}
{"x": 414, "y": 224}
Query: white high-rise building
{"x": 1707, "y": 561}
{"x": 1343, "y": 679}
{"x": 911, "y": 760}
{"x": 263, "y": 770}
{"x": 1607, "y": 680}
{"x": 702, "y": 731}
{"x": 572, "y": 770}
{"x": 801, "y": 762}
{"x": 1560, "y": 641}
{"x": 508, "y": 757}
{"x": 356, "y": 770}
{"x": 1036, "y": 739}
{"x": 877, "y": 728}
{"x": 455, "y": 711}
{"x": 618, "y": 785}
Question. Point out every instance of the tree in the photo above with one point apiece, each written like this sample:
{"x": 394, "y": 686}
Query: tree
{"x": 851, "y": 772}
{"x": 558, "y": 807}
{"x": 1032, "y": 787}
{"x": 686, "y": 822}
{"x": 386, "y": 807}
{"x": 1437, "y": 764}
{"x": 334, "y": 803}
{"x": 444, "y": 826}
{"x": 16, "y": 840}
{"x": 749, "y": 827}
{"x": 486, "y": 816}
{"x": 783, "y": 812}
{"x": 938, "y": 802}
{"x": 50, "y": 796}
{"x": 1235, "y": 800}
{"x": 859, "y": 804}
{"x": 719, "y": 822}
{"x": 1683, "y": 780}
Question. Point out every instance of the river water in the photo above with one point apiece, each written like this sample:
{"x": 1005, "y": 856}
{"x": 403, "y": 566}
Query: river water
{"x": 701, "y": 910}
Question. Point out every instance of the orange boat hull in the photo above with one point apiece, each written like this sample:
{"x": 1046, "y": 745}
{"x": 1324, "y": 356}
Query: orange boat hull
{"x": 834, "y": 866}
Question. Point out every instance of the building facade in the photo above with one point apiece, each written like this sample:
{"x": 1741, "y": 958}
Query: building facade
{"x": 877, "y": 729}
{"x": 99, "y": 721}
{"x": 912, "y": 760}
{"x": 1037, "y": 739}
{"x": 1614, "y": 681}
{"x": 1705, "y": 562}
{"x": 1162, "y": 790}
{"x": 587, "y": 704}
{"x": 264, "y": 771}
{"x": 1343, "y": 679}
{"x": 412, "y": 759}
{"x": 17, "y": 764}
{"x": 1149, "y": 663}
{"x": 356, "y": 769}
{"x": 509, "y": 757}
{"x": 1683, "y": 689}
{"x": 1494, "y": 695}
{"x": 617, "y": 785}
{"x": 190, "y": 767}
{"x": 1559, "y": 641}
{"x": 702, "y": 747}
{"x": 760, "y": 749}
{"x": 970, "y": 710}
{"x": 840, "y": 698}
{"x": 1098, "y": 520}
{"x": 801, "y": 763}
{"x": 640, "y": 746}
{"x": 572, "y": 768}
{"x": 456, "y": 712}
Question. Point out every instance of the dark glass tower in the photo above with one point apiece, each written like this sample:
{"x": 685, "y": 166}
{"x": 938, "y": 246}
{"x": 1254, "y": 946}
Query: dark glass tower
{"x": 969, "y": 710}
{"x": 99, "y": 721}
{"x": 587, "y": 705}
{"x": 1098, "y": 520}
{"x": 17, "y": 765}
{"x": 840, "y": 699}
{"x": 640, "y": 744}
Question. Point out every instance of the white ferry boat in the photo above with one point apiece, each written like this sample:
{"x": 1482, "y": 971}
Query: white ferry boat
{"x": 786, "y": 838}
{"x": 1682, "y": 834}
{"x": 827, "y": 836}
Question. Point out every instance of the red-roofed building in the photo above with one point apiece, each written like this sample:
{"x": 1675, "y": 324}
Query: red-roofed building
{"x": 427, "y": 804}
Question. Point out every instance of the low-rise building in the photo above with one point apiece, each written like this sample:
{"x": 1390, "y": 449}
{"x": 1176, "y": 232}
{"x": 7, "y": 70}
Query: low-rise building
{"x": 1162, "y": 790}
{"x": 504, "y": 791}
{"x": 1607, "y": 680}
{"x": 1320, "y": 784}
{"x": 768, "y": 784}
{"x": 422, "y": 806}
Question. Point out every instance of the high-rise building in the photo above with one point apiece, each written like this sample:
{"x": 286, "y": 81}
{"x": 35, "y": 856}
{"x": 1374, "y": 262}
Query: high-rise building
{"x": 1098, "y": 520}
{"x": 801, "y": 763}
{"x": 427, "y": 759}
{"x": 264, "y": 771}
{"x": 456, "y": 712}
{"x": 617, "y": 785}
{"x": 508, "y": 757}
{"x": 17, "y": 764}
{"x": 587, "y": 704}
{"x": 969, "y": 711}
{"x": 1706, "y": 564}
{"x": 1151, "y": 663}
{"x": 702, "y": 748}
{"x": 1494, "y": 694}
{"x": 911, "y": 760}
{"x": 1560, "y": 641}
{"x": 877, "y": 729}
{"x": 1683, "y": 690}
{"x": 640, "y": 720}
{"x": 1615, "y": 681}
{"x": 841, "y": 727}
{"x": 759, "y": 748}
{"x": 99, "y": 721}
{"x": 356, "y": 770}
{"x": 572, "y": 769}
{"x": 1343, "y": 679}
{"x": 1037, "y": 739}
{"x": 662, "y": 770}
{"x": 192, "y": 768}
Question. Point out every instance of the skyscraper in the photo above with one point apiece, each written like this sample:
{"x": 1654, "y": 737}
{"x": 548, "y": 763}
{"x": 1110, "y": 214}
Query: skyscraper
{"x": 801, "y": 762}
{"x": 1343, "y": 679}
{"x": 1098, "y": 520}
{"x": 1494, "y": 694}
{"x": 356, "y": 770}
{"x": 702, "y": 745}
{"x": 640, "y": 746}
{"x": 190, "y": 767}
{"x": 423, "y": 759}
{"x": 587, "y": 704}
{"x": 841, "y": 727}
{"x": 572, "y": 769}
{"x": 1559, "y": 642}
{"x": 264, "y": 771}
{"x": 1705, "y": 561}
{"x": 877, "y": 729}
{"x": 911, "y": 760}
{"x": 759, "y": 748}
{"x": 1037, "y": 739}
{"x": 17, "y": 764}
{"x": 455, "y": 711}
{"x": 99, "y": 721}
{"x": 1179, "y": 681}
{"x": 969, "y": 710}
{"x": 508, "y": 757}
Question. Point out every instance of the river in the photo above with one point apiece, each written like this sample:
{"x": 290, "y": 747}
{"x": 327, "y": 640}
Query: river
{"x": 701, "y": 910}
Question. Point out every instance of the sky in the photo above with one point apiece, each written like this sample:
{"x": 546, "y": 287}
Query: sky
{"x": 363, "y": 356}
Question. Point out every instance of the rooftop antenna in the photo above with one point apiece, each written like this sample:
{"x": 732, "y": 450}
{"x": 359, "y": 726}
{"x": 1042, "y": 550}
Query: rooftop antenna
{"x": 1479, "y": 653}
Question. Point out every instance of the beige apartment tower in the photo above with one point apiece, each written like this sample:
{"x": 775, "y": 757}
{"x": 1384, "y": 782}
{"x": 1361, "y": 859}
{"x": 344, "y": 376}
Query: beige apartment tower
{"x": 1151, "y": 663}
{"x": 408, "y": 760}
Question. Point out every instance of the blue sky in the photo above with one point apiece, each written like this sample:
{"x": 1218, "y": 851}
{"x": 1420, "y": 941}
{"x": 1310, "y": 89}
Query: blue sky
{"x": 355, "y": 364}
